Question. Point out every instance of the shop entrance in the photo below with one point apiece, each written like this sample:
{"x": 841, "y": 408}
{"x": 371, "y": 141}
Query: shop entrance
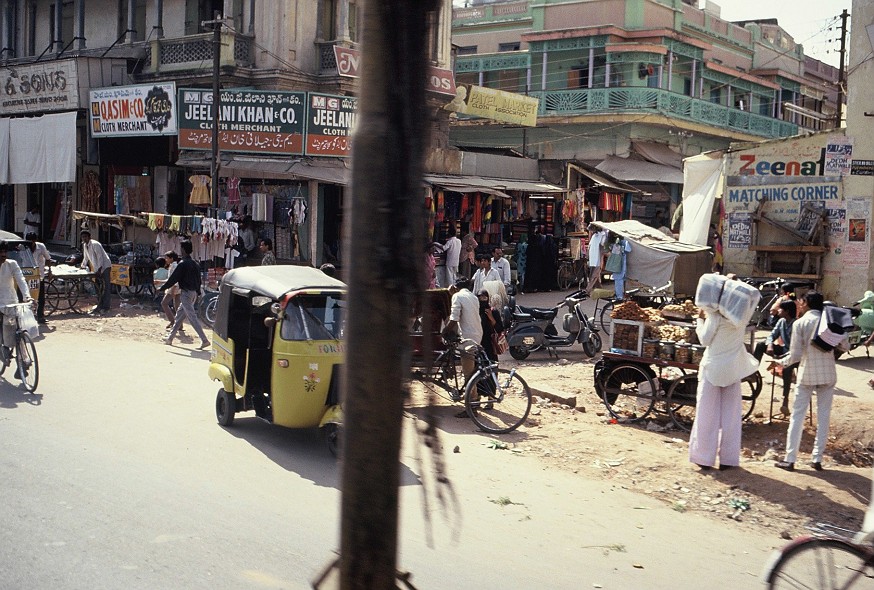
{"x": 55, "y": 203}
{"x": 333, "y": 227}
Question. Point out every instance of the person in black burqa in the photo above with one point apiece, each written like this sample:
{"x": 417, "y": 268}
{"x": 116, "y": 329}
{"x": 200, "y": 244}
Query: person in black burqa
{"x": 187, "y": 275}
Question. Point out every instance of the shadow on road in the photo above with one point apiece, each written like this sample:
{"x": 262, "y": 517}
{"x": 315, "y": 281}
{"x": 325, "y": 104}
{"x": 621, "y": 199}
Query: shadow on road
{"x": 12, "y": 395}
{"x": 303, "y": 451}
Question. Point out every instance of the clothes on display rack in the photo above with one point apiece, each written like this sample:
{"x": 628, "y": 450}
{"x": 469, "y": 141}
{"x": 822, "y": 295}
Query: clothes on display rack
{"x": 233, "y": 185}
{"x": 259, "y": 207}
{"x": 200, "y": 191}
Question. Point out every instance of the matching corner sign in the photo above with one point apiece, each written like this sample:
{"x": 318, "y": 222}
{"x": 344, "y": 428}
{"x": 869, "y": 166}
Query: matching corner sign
{"x": 125, "y": 111}
{"x": 252, "y": 121}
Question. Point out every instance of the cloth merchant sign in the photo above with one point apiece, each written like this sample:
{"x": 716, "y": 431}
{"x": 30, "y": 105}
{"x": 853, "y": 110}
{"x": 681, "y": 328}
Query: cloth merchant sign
{"x": 249, "y": 121}
{"x": 330, "y": 121}
{"x": 148, "y": 109}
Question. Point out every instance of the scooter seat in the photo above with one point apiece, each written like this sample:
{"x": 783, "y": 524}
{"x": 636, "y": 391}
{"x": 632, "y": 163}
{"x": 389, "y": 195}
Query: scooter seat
{"x": 522, "y": 317}
{"x": 539, "y": 313}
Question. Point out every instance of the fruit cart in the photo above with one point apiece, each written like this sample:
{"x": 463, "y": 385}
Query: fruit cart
{"x": 651, "y": 365}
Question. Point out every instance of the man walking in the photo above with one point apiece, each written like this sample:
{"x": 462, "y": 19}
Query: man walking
{"x": 452, "y": 247}
{"x": 95, "y": 256}
{"x": 485, "y": 273}
{"x": 816, "y": 372}
{"x": 187, "y": 275}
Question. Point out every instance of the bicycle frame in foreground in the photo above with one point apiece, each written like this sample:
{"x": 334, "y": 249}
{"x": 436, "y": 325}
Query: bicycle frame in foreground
{"x": 23, "y": 350}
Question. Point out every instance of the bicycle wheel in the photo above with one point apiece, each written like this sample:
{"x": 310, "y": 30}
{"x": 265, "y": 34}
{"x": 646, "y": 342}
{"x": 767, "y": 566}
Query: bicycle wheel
{"x": 27, "y": 364}
{"x": 628, "y": 391}
{"x": 604, "y": 319}
{"x": 208, "y": 311}
{"x": 682, "y": 396}
{"x": 497, "y": 409}
{"x": 751, "y": 387}
{"x": 58, "y": 292}
{"x": 822, "y": 563}
{"x": 87, "y": 295}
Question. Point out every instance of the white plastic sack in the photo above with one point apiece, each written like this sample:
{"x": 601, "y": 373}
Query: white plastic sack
{"x": 27, "y": 321}
{"x": 735, "y": 300}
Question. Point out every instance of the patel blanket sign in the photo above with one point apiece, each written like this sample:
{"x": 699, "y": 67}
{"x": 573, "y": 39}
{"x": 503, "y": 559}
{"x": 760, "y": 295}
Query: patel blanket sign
{"x": 330, "y": 121}
{"x": 249, "y": 121}
{"x": 503, "y": 106}
{"x": 147, "y": 109}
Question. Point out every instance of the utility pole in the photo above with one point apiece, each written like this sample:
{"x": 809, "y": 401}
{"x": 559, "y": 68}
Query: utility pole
{"x": 844, "y": 16}
{"x": 216, "y": 23}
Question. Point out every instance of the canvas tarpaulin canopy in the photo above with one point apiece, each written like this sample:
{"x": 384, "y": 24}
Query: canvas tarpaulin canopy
{"x": 653, "y": 257}
{"x": 703, "y": 184}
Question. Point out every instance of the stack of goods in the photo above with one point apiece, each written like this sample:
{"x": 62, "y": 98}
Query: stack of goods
{"x": 686, "y": 311}
{"x": 735, "y": 300}
{"x": 631, "y": 311}
{"x": 625, "y": 337}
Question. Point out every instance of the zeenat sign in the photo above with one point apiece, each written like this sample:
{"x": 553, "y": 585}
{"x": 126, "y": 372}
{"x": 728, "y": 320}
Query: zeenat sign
{"x": 349, "y": 65}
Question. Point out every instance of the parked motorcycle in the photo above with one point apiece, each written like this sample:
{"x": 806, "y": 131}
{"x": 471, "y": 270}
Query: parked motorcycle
{"x": 533, "y": 328}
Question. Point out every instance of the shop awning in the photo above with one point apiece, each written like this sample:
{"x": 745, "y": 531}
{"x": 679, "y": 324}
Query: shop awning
{"x": 604, "y": 181}
{"x": 328, "y": 171}
{"x": 640, "y": 171}
{"x": 493, "y": 186}
{"x": 110, "y": 219}
{"x": 658, "y": 153}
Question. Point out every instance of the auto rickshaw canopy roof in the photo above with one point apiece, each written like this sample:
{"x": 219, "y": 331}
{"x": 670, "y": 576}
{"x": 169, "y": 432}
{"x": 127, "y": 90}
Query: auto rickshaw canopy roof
{"x": 274, "y": 281}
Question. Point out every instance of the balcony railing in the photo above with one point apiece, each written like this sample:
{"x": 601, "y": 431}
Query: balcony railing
{"x": 196, "y": 50}
{"x": 636, "y": 100}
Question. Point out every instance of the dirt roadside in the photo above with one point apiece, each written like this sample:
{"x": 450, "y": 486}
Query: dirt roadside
{"x": 648, "y": 458}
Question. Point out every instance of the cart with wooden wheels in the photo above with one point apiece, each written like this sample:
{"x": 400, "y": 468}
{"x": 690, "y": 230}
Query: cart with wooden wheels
{"x": 70, "y": 288}
{"x": 633, "y": 387}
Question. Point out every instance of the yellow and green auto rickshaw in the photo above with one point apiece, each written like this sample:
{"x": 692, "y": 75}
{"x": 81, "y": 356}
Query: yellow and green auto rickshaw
{"x": 277, "y": 347}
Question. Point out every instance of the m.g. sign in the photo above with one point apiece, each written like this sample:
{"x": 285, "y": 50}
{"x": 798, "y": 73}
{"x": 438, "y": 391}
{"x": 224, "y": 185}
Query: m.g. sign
{"x": 330, "y": 120}
{"x": 148, "y": 109}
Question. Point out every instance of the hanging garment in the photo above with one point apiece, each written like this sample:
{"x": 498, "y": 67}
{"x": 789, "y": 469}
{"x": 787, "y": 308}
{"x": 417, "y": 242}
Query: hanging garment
{"x": 200, "y": 190}
{"x": 259, "y": 206}
{"x": 233, "y": 190}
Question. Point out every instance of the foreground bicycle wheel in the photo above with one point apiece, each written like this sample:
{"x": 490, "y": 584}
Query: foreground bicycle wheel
{"x": 26, "y": 362}
{"x": 497, "y": 410}
{"x": 751, "y": 387}
{"x": 821, "y": 564}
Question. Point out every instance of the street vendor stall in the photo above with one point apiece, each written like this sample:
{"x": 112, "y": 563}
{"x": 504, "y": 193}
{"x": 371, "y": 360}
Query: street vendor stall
{"x": 655, "y": 258}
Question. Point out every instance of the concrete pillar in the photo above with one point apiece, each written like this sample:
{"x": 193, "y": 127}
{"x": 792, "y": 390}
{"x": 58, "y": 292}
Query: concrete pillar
{"x": 159, "y": 23}
{"x": 80, "y": 24}
{"x": 343, "y": 20}
{"x": 251, "y": 17}
{"x": 315, "y": 253}
{"x": 131, "y": 19}
{"x": 59, "y": 17}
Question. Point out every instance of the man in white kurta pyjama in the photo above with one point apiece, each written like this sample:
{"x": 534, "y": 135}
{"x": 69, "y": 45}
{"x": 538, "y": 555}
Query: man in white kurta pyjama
{"x": 719, "y": 412}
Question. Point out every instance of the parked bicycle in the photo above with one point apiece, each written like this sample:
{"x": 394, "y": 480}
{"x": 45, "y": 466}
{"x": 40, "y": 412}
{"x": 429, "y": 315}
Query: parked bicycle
{"x": 827, "y": 559}
{"x": 573, "y": 274}
{"x": 497, "y": 400}
{"x": 23, "y": 351}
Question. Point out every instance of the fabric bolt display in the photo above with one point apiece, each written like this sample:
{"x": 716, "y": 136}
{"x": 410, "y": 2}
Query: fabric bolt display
{"x": 439, "y": 207}
{"x": 259, "y": 206}
{"x": 465, "y": 205}
{"x": 91, "y": 192}
{"x": 200, "y": 189}
{"x": 476, "y": 220}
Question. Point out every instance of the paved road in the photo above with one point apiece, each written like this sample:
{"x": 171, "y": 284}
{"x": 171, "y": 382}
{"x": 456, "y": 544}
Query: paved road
{"x": 116, "y": 476}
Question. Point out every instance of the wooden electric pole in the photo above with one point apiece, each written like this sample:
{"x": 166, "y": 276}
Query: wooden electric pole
{"x": 841, "y": 76}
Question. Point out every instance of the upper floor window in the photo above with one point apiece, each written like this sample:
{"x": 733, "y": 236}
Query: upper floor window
{"x": 467, "y": 50}
{"x": 139, "y": 24}
{"x": 66, "y": 32}
{"x": 327, "y": 15}
{"x": 509, "y": 46}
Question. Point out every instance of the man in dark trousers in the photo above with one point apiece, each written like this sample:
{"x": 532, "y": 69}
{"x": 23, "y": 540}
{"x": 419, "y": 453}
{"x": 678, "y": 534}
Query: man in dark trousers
{"x": 187, "y": 275}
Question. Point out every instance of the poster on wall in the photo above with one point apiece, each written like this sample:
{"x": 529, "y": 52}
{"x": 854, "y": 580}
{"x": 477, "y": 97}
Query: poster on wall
{"x": 838, "y": 155}
{"x": 740, "y": 229}
{"x": 330, "y": 121}
{"x": 837, "y": 221}
{"x": 856, "y": 251}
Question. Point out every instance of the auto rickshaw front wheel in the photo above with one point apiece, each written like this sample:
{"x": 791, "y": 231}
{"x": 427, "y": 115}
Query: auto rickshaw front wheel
{"x": 333, "y": 431}
{"x": 225, "y": 407}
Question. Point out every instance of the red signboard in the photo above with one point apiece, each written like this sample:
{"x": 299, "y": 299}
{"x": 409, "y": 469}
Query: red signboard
{"x": 349, "y": 64}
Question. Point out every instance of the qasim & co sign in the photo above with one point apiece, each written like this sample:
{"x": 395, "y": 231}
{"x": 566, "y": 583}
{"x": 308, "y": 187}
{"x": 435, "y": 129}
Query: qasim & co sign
{"x": 147, "y": 109}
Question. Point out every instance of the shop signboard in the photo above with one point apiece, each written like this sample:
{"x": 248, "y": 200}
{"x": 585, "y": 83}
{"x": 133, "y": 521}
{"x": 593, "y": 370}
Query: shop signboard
{"x": 41, "y": 87}
{"x": 251, "y": 121}
{"x": 348, "y": 60}
{"x": 740, "y": 229}
{"x": 499, "y": 105}
{"x": 146, "y": 109}
{"x": 330, "y": 121}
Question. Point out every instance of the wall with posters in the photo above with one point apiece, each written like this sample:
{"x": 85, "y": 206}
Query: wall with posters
{"x": 785, "y": 177}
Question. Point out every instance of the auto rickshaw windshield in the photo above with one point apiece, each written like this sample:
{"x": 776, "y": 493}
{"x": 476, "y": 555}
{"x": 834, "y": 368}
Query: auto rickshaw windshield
{"x": 314, "y": 317}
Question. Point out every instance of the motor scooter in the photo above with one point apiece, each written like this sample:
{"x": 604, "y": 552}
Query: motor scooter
{"x": 533, "y": 328}
{"x": 863, "y": 318}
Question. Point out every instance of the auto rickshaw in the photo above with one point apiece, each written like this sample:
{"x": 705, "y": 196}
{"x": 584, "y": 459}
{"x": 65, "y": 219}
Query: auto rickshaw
{"x": 277, "y": 347}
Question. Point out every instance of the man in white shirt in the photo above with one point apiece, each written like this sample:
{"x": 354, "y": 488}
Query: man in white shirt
{"x": 42, "y": 259}
{"x": 502, "y": 265}
{"x": 10, "y": 279}
{"x": 452, "y": 247}
{"x": 485, "y": 273}
{"x": 32, "y": 220}
{"x": 95, "y": 257}
{"x": 816, "y": 372}
{"x": 464, "y": 320}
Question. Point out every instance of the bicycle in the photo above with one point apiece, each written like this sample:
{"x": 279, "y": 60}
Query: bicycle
{"x": 24, "y": 350}
{"x": 657, "y": 297}
{"x": 825, "y": 559}
{"x": 573, "y": 274}
{"x": 207, "y": 306}
{"x": 497, "y": 400}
